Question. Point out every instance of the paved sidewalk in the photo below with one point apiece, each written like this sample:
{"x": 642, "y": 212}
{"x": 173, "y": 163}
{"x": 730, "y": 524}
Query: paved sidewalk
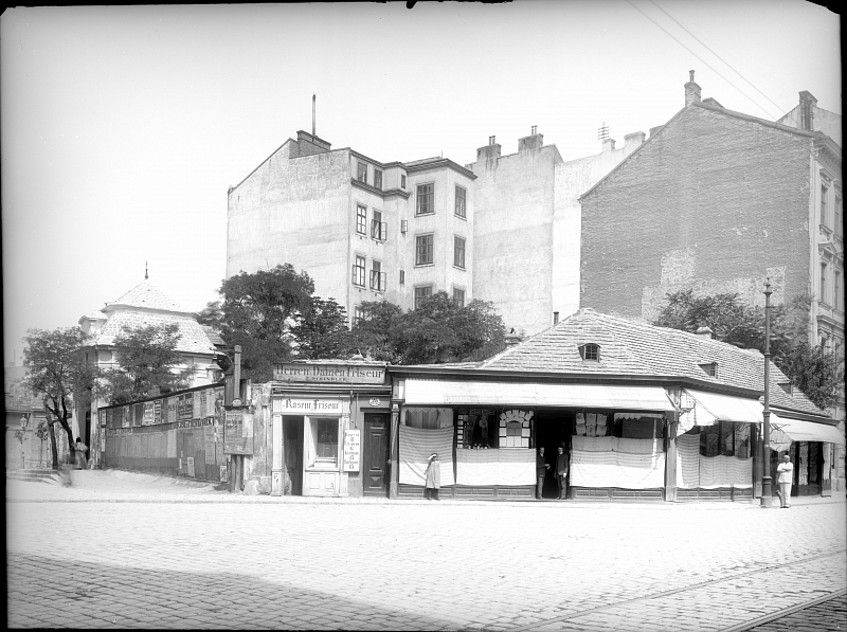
{"x": 123, "y": 486}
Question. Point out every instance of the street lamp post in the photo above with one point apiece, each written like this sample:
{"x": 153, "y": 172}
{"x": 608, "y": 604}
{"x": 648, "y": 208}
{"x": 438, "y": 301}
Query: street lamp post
{"x": 767, "y": 482}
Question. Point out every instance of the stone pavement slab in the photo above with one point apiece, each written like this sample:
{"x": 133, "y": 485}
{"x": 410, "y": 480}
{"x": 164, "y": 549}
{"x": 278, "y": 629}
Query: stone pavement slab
{"x": 435, "y": 566}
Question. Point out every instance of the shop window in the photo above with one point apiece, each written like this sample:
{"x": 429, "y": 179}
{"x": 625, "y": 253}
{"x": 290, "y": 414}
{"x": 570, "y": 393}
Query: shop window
{"x": 710, "y": 440}
{"x": 478, "y": 427}
{"x": 427, "y": 418}
{"x": 514, "y": 428}
{"x": 592, "y": 424}
{"x": 742, "y": 441}
{"x": 727, "y": 438}
{"x": 325, "y": 437}
{"x": 637, "y": 426}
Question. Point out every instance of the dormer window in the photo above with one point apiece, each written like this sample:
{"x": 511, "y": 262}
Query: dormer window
{"x": 590, "y": 352}
{"x": 710, "y": 369}
{"x": 788, "y": 387}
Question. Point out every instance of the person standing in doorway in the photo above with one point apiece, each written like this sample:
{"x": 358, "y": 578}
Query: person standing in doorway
{"x": 541, "y": 467}
{"x": 433, "y": 477}
{"x": 785, "y": 476}
{"x": 562, "y": 472}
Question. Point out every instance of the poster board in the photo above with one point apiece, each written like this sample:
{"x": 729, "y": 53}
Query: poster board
{"x": 238, "y": 431}
{"x": 352, "y": 450}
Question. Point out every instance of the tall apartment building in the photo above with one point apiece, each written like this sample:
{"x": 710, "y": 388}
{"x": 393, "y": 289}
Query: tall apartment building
{"x": 364, "y": 230}
{"x": 527, "y": 227}
{"x": 717, "y": 201}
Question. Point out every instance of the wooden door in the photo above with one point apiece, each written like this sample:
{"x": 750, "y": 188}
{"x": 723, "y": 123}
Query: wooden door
{"x": 292, "y": 437}
{"x": 375, "y": 455}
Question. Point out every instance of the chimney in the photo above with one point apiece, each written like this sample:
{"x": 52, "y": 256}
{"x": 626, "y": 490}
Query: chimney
{"x": 309, "y": 144}
{"x": 633, "y": 140}
{"x": 512, "y": 338}
{"x": 655, "y": 130}
{"x": 692, "y": 90}
{"x": 489, "y": 152}
{"x": 807, "y": 111}
{"x": 533, "y": 141}
{"x": 704, "y": 332}
{"x": 608, "y": 145}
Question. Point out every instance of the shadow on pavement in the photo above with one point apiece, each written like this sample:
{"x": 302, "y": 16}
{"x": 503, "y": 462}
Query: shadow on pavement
{"x": 47, "y": 592}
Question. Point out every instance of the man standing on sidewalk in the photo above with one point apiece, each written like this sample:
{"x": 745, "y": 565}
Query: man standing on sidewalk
{"x": 785, "y": 475}
{"x": 541, "y": 467}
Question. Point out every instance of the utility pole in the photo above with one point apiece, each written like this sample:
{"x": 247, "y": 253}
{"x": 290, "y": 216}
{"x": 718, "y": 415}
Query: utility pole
{"x": 767, "y": 482}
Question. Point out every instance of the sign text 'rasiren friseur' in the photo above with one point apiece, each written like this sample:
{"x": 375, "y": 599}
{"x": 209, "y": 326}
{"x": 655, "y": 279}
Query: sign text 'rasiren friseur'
{"x": 333, "y": 373}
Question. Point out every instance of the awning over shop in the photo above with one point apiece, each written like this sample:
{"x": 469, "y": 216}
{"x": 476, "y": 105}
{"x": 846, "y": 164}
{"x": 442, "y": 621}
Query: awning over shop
{"x": 807, "y": 430}
{"x": 446, "y": 392}
{"x": 712, "y": 407}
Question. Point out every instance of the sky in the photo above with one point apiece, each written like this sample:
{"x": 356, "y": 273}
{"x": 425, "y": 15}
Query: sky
{"x": 123, "y": 127}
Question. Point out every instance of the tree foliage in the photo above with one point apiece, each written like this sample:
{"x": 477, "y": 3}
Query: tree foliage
{"x": 258, "y": 311}
{"x": 322, "y": 331}
{"x": 147, "y": 357}
{"x": 437, "y": 331}
{"x": 57, "y": 372}
{"x": 814, "y": 370}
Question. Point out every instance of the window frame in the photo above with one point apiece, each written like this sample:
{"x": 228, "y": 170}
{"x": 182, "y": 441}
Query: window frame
{"x": 463, "y": 293}
{"x": 379, "y": 275}
{"x": 330, "y": 426}
{"x": 431, "y": 250}
{"x": 426, "y": 196}
{"x": 824, "y": 209}
{"x": 456, "y": 240}
{"x": 824, "y": 277}
{"x": 359, "y": 271}
{"x": 378, "y": 178}
{"x": 379, "y": 229}
{"x": 590, "y": 349}
{"x": 361, "y": 219}
{"x": 418, "y": 300}
{"x": 403, "y": 181}
{"x": 461, "y": 210}
{"x": 361, "y": 166}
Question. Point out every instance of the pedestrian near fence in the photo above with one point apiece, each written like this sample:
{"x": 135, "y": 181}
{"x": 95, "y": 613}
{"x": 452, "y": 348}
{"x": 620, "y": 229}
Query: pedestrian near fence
{"x": 79, "y": 454}
{"x": 785, "y": 476}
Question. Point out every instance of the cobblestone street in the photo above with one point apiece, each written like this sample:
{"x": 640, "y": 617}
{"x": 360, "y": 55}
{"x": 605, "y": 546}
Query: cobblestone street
{"x": 225, "y": 562}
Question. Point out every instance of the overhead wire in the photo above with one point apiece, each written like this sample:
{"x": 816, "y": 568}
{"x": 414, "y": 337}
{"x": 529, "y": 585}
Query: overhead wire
{"x": 708, "y": 48}
{"x": 708, "y": 65}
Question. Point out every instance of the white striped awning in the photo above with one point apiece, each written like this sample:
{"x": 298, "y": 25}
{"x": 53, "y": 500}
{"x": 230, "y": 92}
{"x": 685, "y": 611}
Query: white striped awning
{"x": 798, "y": 430}
{"x": 474, "y": 393}
{"x": 712, "y": 407}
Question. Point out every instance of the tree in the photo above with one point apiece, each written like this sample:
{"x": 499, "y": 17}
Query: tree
{"x": 814, "y": 370}
{"x": 146, "y": 357}
{"x": 322, "y": 331}
{"x": 437, "y": 331}
{"x": 57, "y": 372}
{"x": 375, "y": 334}
{"x": 258, "y": 312}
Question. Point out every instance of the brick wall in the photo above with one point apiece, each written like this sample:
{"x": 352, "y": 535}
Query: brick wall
{"x": 711, "y": 201}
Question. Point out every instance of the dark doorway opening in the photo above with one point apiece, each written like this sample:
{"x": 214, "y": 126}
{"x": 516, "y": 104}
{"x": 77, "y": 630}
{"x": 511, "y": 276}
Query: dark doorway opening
{"x": 553, "y": 428}
{"x": 375, "y": 455}
{"x": 292, "y": 440}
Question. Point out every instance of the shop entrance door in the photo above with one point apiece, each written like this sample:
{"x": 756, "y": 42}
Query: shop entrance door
{"x": 292, "y": 438}
{"x": 375, "y": 455}
{"x": 553, "y": 428}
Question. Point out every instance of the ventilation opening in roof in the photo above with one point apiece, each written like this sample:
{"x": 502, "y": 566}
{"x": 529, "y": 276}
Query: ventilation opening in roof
{"x": 710, "y": 369}
{"x": 590, "y": 352}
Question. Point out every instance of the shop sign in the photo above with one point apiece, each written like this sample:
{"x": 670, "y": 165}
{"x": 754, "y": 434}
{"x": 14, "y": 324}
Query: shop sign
{"x": 352, "y": 450}
{"x": 238, "y": 432}
{"x": 332, "y": 373}
{"x": 299, "y": 406}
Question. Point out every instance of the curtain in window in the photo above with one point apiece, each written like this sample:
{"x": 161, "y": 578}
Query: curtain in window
{"x": 428, "y": 418}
